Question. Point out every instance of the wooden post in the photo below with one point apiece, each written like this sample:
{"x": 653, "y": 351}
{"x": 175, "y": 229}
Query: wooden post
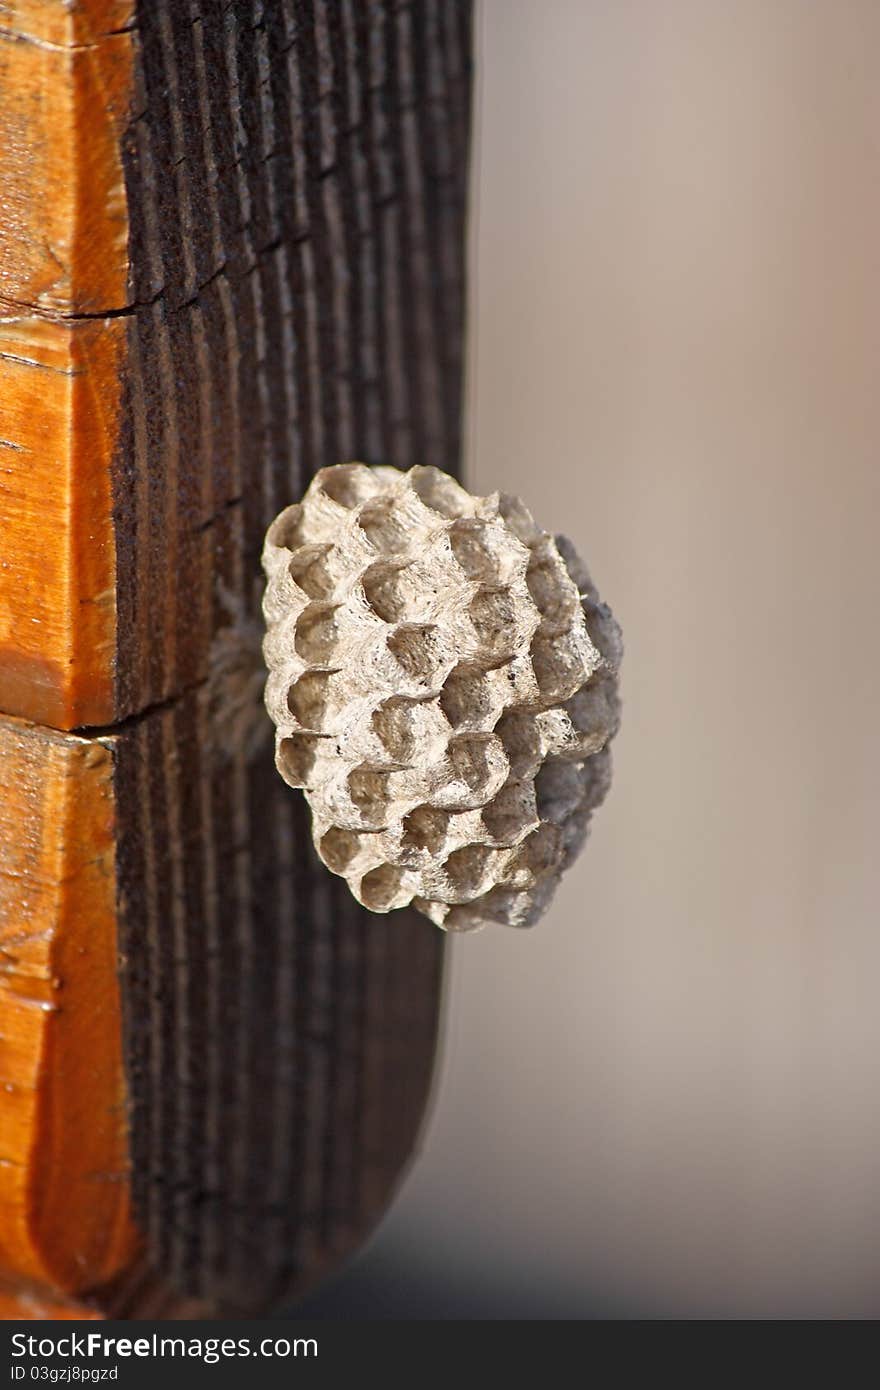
{"x": 231, "y": 253}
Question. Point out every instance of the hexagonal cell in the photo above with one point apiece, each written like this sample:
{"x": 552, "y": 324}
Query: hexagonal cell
{"x": 471, "y": 763}
{"x": 349, "y": 484}
{"x": 559, "y": 664}
{"x": 383, "y": 528}
{"x": 466, "y": 869}
{"x": 414, "y": 647}
{"x": 315, "y": 568}
{"x": 317, "y": 632}
{"x": 517, "y": 682}
{"x": 493, "y": 614}
{"x": 475, "y": 548}
{"x": 461, "y": 918}
{"x": 559, "y": 739}
{"x": 339, "y": 848}
{"x": 425, "y": 829}
{"x": 520, "y": 520}
{"x": 288, "y": 530}
{"x": 466, "y": 697}
{"x": 392, "y": 722}
{"x": 440, "y": 492}
{"x": 551, "y": 589}
{"x": 538, "y": 855}
{"x": 382, "y": 888}
{"x": 595, "y": 713}
{"x": 494, "y": 906}
{"x": 310, "y": 699}
{"x": 298, "y": 757}
{"x": 521, "y": 740}
{"x": 574, "y": 566}
{"x": 604, "y": 630}
{"x": 510, "y": 813}
{"x": 368, "y": 790}
{"x": 523, "y": 909}
{"x": 387, "y": 592}
{"x": 559, "y": 791}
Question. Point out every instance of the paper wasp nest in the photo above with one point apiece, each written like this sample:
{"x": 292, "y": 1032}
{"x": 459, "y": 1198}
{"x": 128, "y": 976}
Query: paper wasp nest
{"x": 443, "y": 680}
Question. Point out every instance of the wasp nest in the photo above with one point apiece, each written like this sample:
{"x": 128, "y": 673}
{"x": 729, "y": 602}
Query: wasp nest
{"x": 443, "y": 680}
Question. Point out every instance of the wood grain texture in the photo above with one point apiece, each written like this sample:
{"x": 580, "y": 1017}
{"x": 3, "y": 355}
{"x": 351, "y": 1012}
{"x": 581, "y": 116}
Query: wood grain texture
{"x": 65, "y": 80}
{"x": 64, "y": 1172}
{"x": 65, "y": 75}
{"x": 59, "y": 391}
{"x": 276, "y": 274}
{"x": 280, "y": 1040}
{"x": 296, "y": 188}
{"x": 294, "y": 179}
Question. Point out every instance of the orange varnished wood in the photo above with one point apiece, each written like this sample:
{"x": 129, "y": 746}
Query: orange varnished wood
{"x": 58, "y": 412}
{"x": 64, "y": 1189}
{"x": 65, "y": 78}
{"x": 292, "y": 1036}
{"x": 35, "y": 1307}
{"x": 66, "y": 23}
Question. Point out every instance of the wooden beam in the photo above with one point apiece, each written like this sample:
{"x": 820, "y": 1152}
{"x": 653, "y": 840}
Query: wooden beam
{"x": 65, "y": 1204}
{"x": 66, "y": 83}
{"x": 234, "y": 253}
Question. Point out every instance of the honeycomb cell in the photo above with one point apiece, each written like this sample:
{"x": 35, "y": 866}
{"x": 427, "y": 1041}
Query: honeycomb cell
{"x": 392, "y": 723}
{"x": 382, "y": 888}
{"x": 286, "y": 531}
{"x": 554, "y": 598}
{"x": 297, "y": 757}
{"x": 521, "y": 741}
{"x": 415, "y": 649}
{"x": 384, "y": 527}
{"x": 466, "y": 698}
{"x": 368, "y": 790}
{"x": 317, "y": 633}
{"x": 494, "y": 615}
{"x": 594, "y": 711}
{"x": 387, "y": 593}
{"x": 467, "y": 869}
{"x": 349, "y": 484}
{"x": 511, "y": 812}
{"x": 425, "y": 829}
{"x": 559, "y": 791}
{"x": 561, "y": 664}
{"x": 340, "y": 848}
{"x": 475, "y": 547}
{"x": 314, "y": 571}
{"x": 310, "y": 700}
{"x": 440, "y": 492}
{"x": 471, "y": 763}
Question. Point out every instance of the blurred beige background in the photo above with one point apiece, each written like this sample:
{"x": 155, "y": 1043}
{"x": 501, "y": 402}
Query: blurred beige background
{"x": 665, "y": 1100}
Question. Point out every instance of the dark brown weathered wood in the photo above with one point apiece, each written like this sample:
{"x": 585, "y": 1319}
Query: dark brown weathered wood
{"x": 232, "y": 254}
{"x": 295, "y": 178}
